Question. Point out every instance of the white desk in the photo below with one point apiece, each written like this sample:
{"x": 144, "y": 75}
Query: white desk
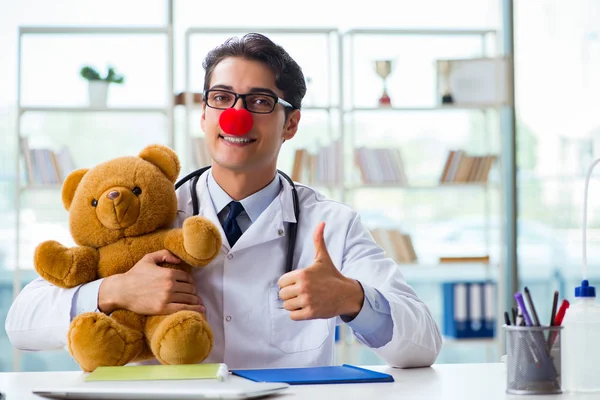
{"x": 443, "y": 381}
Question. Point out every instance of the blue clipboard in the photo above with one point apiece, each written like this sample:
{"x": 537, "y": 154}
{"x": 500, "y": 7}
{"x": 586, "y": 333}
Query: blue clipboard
{"x": 314, "y": 375}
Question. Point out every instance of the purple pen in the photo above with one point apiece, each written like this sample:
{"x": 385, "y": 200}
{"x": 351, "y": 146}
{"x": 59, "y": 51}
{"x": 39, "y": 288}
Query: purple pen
{"x": 521, "y": 303}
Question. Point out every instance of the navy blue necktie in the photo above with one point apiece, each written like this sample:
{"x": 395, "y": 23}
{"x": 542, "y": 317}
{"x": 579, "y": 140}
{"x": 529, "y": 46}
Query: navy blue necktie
{"x": 230, "y": 226}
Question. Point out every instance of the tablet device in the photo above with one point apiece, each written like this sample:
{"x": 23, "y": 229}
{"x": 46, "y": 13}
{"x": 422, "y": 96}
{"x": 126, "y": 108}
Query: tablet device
{"x": 182, "y": 390}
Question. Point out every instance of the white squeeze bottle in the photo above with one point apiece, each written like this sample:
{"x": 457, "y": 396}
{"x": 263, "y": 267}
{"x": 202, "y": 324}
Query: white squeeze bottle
{"x": 580, "y": 341}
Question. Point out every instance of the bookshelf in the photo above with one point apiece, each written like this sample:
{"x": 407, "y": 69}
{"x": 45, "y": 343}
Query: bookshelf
{"x": 43, "y": 162}
{"x": 330, "y": 159}
{"x": 45, "y": 167}
{"x": 378, "y": 161}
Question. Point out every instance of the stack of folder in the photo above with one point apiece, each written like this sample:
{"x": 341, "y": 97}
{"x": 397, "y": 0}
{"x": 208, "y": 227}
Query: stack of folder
{"x": 294, "y": 376}
{"x": 469, "y": 309}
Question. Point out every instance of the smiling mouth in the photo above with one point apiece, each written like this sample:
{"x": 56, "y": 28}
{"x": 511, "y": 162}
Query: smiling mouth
{"x": 237, "y": 140}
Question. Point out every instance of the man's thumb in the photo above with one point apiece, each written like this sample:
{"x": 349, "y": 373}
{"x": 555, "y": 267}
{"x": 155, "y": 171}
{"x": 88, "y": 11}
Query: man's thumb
{"x": 321, "y": 252}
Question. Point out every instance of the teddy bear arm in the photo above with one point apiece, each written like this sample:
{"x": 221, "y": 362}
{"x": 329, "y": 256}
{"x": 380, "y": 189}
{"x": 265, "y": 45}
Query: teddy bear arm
{"x": 66, "y": 267}
{"x": 197, "y": 243}
{"x": 174, "y": 243}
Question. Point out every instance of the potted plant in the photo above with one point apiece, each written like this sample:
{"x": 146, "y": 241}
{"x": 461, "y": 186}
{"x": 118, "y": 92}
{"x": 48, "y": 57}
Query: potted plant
{"x": 98, "y": 86}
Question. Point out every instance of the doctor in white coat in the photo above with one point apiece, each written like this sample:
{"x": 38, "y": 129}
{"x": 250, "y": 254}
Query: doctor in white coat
{"x": 261, "y": 315}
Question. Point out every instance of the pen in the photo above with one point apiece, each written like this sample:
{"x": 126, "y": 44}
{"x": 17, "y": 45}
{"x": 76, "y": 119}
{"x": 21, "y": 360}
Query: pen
{"x": 520, "y": 321}
{"x": 514, "y": 315}
{"x": 536, "y": 321}
{"x": 554, "y": 305}
{"x": 537, "y": 341}
{"x": 551, "y": 335}
{"x": 561, "y": 312}
{"x": 519, "y": 299}
{"x": 506, "y": 318}
{"x": 559, "y": 318}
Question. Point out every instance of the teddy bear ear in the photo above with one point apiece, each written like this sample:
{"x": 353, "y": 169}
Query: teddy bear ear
{"x": 164, "y": 158}
{"x": 70, "y": 186}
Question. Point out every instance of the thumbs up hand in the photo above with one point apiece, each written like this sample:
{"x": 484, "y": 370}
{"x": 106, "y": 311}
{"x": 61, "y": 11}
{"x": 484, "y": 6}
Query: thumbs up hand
{"x": 320, "y": 290}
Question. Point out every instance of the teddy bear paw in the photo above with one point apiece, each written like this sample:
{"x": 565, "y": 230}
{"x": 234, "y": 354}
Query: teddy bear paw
{"x": 182, "y": 338}
{"x": 96, "y": 339}
{"x": 53, "y": 261}
{"x": 201, "y": 238}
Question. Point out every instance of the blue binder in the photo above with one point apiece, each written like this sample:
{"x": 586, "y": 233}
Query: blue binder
{"x": 459, "y": 319}
{"x": 314, "y": 375}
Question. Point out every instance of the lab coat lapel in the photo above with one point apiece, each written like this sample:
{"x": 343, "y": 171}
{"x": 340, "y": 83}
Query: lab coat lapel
{"x": 207, "y": 208}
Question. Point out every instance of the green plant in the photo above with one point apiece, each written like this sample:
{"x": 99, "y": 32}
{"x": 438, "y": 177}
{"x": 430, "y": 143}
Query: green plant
{"x": 91, "y": 74}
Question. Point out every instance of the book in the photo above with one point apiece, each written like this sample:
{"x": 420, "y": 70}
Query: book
{"x": 159, "y": 372}
{"x": 314, "y": 375}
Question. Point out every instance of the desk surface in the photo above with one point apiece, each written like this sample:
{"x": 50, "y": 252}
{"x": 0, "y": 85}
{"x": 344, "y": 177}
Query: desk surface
{"x": 441, "y": 381}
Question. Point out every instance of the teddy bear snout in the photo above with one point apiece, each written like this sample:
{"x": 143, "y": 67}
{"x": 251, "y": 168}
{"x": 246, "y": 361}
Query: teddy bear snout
{"x": 120, "y": 208}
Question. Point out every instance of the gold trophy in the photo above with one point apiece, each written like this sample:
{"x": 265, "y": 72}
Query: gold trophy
{"x": 383, "y": 69}
{"x": 446, "y": 92}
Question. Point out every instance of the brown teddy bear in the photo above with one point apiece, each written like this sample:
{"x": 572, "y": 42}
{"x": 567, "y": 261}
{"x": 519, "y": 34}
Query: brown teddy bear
{"x": 119, "y": 211}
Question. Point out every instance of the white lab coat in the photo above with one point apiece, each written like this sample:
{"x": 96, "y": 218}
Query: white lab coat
{"x": 240, "y": 292}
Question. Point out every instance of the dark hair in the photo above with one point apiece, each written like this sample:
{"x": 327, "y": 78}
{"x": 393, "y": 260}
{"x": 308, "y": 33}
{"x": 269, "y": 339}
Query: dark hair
{"x": 256, "y": 47}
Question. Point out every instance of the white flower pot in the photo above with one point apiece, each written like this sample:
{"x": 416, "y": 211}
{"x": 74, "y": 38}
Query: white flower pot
{"x": 98, "y": 93}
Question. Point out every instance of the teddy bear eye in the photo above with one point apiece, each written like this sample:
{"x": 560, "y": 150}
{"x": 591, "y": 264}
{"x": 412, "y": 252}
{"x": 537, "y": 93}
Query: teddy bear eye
{"x": 94, "y": 203}
{"x": 137, "y": 191}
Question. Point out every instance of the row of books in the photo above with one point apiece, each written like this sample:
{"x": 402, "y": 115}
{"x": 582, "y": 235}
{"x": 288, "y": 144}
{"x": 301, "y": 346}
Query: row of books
{"x": 461, "y": 167}
{"x": 384, "y": 166}
{"x": 396, "y": 244}
{"x": 376, "y": 165}
{"x": 322, "y": 167}
{"x": 45, "y": 166}
{"x": 380, "y": 166}
{"x": 469, "y": 309}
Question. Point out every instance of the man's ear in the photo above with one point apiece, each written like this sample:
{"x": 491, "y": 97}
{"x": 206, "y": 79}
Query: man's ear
{"x": 203, "y": 117}
{"x": 164, "y": 158}
{"x": 70, "y": 186}
{"x": 291, "y": 125}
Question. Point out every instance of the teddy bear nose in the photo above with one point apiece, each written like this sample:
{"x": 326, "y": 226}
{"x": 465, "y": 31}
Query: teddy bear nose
{"x": 113, "y": 195}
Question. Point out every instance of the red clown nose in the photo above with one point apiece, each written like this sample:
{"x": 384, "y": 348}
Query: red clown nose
{"x": 236, "y": 122}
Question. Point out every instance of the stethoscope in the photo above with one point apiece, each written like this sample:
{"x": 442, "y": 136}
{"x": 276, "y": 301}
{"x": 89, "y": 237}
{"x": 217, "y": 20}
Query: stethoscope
{"x": 194, "y": 176}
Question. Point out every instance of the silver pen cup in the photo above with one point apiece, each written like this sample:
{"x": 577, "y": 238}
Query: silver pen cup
{"x": 533, "y": 359}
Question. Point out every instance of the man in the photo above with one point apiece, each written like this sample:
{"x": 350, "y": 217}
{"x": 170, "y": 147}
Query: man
{"x": 261, "y": 315}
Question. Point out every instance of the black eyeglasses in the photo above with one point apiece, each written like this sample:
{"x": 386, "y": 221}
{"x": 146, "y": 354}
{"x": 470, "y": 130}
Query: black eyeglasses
{"x": 259, "y": 103}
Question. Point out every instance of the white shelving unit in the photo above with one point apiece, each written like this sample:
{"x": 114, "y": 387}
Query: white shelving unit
{"x": 339, "y": 111}
{"x": 167, "y": 110}
{"x": 165, "y": 31}
{"x": 421, "y": 272}
{"x": 347, "y": 135}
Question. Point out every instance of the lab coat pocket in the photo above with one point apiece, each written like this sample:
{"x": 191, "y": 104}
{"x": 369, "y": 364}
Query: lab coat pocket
{"x": 291, "y": 336}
